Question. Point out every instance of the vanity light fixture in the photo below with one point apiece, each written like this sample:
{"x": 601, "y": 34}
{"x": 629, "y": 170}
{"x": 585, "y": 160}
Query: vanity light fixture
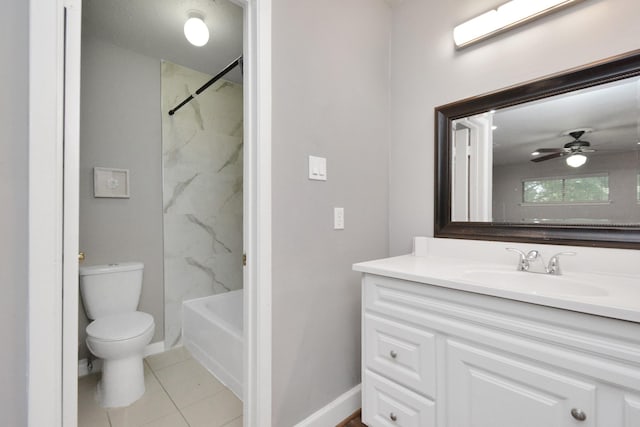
{"x": 195, "y": 30}
{"x": 503, "y": 18}
{"x": 576, "y": 160}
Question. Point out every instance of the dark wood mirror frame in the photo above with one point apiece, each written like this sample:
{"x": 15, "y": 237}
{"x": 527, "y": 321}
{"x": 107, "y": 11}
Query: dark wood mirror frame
{"x": 609, "y": 70}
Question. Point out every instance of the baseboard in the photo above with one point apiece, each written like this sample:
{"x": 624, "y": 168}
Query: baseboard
{"x": 154, "y": 348}
{"x": 335, "y": 412}
{"x": 83, "y": 364}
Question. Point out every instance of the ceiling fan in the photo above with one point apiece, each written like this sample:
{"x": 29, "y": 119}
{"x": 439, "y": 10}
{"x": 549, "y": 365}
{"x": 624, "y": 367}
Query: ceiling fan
{"x": 574, "y": 149}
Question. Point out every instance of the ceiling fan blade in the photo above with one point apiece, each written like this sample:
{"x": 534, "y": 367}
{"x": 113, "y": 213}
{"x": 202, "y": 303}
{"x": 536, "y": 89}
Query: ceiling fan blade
{"x": 550, "y": 150}
{"x": 549, "y": 156}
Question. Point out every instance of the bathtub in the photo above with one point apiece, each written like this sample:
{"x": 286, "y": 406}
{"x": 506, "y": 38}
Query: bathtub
{"x": 212, "y": 332}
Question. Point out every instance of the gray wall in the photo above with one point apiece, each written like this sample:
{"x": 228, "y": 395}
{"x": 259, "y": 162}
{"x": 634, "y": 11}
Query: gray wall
{"x": 427, "y": 72}
{"x": 330, "y": 99}
{"x": 121, "y": 128}
{"x": 14, "y": 72}
{"x": 622, "y": 169}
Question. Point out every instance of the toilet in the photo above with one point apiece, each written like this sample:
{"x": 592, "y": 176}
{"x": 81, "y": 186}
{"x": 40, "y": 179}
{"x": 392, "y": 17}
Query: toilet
{"x": 118, "y": 333}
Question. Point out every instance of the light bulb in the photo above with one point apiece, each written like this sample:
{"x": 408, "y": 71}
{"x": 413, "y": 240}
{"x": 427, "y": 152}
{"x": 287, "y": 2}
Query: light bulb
{"x": 196, "y": 31}
{"x": 576, "y": 160}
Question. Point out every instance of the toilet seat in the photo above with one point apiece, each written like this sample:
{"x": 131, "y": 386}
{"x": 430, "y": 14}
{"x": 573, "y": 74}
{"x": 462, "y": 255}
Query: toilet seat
{"x": 119, "y": 327}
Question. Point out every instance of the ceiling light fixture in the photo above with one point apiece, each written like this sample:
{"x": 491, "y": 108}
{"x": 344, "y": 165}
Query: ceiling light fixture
{"x": 195, "y": 30}
{"x": 505, "y": 17}
{"x": 535, "y": 153}
{"x": 576, "y": 160}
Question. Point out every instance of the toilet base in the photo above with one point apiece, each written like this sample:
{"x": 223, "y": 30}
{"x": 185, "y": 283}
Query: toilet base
{"x": 122, "y": 382}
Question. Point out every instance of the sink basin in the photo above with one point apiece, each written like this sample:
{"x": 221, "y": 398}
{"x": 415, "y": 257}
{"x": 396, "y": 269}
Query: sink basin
{"x": 535, "y": 284}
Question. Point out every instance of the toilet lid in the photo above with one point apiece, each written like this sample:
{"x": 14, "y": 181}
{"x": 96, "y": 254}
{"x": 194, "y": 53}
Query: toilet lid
{"x": 119, "y": 327}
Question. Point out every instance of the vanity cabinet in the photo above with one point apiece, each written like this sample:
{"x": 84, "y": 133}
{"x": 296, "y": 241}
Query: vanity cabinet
{"x": 433, "y": 356}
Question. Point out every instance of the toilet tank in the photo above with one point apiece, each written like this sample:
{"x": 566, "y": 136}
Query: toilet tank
{"x": 111, "y": 288}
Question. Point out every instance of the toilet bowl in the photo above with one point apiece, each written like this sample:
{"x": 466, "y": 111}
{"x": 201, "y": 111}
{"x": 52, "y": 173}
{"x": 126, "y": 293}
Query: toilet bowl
{"x": 118, "y": 333}
{"x": 119, "y": 340}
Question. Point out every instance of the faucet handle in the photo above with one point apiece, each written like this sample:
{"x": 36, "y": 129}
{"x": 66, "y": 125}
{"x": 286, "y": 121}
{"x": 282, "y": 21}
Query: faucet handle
{"x": 533, "y": 255}
{"x": 522, "y": 254}
{"x": 523, "y": 264}
{"x": 554, "y": 263}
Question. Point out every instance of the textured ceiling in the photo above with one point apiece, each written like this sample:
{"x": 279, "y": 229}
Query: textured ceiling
{"x": 612, "y": 111}
{"x": 155, "y": 28}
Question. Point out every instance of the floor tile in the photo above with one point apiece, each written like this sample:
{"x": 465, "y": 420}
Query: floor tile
{"x": 214, "y": 411}
{"x": 151, "y": 383}
{"x": 179, "y": 372}
{"x": 191, "y": 389}
{"x": 87, "y": 387}
{"x": 173, "y": 420}
{"x": 90, "y": 414}
{"x": 150, "y": 407}
{"x": 162, "y": 360}
{"x": 97, "y": 419}
{"x": 235, "y": 423}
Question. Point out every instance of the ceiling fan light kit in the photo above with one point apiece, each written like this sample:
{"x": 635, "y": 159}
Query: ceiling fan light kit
{"x": 576, "y": 160}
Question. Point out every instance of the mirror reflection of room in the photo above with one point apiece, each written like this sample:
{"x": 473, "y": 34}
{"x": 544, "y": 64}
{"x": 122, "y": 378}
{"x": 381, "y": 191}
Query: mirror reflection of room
{"x": 572, "y": 159}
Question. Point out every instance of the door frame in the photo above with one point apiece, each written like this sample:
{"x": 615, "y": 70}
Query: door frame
{"x": 54, "y": 120}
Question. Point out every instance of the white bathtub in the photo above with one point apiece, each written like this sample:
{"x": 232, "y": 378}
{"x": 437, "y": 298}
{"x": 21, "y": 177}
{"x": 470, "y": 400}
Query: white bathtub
{"x": 212, "y": 332}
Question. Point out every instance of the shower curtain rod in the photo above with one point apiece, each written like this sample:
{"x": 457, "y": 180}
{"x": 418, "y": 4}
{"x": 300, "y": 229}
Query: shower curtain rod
{"x": 204, "y": 87}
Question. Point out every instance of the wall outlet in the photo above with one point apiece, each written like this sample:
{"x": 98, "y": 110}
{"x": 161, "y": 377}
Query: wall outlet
{"x": 338, "y": 218}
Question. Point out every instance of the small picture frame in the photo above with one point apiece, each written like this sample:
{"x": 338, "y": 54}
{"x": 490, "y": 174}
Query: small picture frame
{"x": 110, "y": 182}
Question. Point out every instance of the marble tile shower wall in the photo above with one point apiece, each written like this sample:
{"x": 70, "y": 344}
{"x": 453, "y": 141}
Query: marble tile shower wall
{"x": 202, "y": 185}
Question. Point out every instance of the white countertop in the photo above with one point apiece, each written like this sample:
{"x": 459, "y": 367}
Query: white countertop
{"x": 610, "y": 295}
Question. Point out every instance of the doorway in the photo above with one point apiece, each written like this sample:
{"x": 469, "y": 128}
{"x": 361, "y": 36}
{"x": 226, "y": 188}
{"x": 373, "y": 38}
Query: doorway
{"x": 53, "y": 216}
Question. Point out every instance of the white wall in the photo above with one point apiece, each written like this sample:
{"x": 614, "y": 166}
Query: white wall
{"x": 330, "y": 99}
{"x": 120, "y": 127}
{"x": 14, "y": 72}
{"x": 427, "y": 72}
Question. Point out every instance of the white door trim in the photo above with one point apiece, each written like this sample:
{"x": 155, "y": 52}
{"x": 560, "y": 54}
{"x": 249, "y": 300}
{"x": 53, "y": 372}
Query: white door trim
{"x": 71, "y": 201}
{"x": 50, "y": 352}
{"x": 45, "y": 212}
{"x": 257, "y": 211}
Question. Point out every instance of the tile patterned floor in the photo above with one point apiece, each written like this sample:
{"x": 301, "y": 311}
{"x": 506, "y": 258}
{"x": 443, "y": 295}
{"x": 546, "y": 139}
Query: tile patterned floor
{"x": 179, "y": 393}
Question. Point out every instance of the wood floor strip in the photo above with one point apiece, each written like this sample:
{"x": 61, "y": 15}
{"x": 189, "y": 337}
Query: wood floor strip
{"x": 353, "y": 420}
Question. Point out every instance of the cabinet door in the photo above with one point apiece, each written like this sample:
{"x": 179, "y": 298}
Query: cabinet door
{"x": 402, "y": 353}
{"x": 631, "y": 410}
{"x": 387, "y": 404}
{"x": 489, "y": 388}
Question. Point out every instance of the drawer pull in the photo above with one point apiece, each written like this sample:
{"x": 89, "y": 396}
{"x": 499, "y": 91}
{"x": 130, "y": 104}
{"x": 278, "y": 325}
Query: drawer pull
{"x": 393, "y": 354}
{"x": 578, "y": 414}
{"x": 393, "y": 417}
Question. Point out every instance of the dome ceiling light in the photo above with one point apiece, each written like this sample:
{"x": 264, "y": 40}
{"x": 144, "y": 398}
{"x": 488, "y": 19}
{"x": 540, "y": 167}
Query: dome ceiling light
{"x": 195, "y": 30}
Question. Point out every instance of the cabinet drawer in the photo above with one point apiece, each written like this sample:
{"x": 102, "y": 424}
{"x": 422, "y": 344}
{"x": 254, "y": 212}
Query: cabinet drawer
{"x": 402, "y": 353}
{"x": 386, "y": 404}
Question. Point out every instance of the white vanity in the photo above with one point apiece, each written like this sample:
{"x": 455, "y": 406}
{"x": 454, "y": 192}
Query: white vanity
{"x": 450, "y": 339}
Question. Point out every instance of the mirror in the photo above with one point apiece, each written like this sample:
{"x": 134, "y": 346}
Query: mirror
{"x": 556, "y": 160}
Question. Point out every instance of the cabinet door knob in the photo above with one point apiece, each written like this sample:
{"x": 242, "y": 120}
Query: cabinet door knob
{"x": 393, "y": 417}
{"x": 393, "y": 354}
{"x": 578, "y": 414}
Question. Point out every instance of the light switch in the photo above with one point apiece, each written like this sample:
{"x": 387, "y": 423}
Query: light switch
{"x": 338, "y": 218}
{"x": 317, "y": 168}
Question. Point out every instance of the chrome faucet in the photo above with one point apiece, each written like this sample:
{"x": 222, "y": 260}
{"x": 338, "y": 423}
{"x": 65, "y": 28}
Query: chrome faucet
{"x": 533, "y": 263}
